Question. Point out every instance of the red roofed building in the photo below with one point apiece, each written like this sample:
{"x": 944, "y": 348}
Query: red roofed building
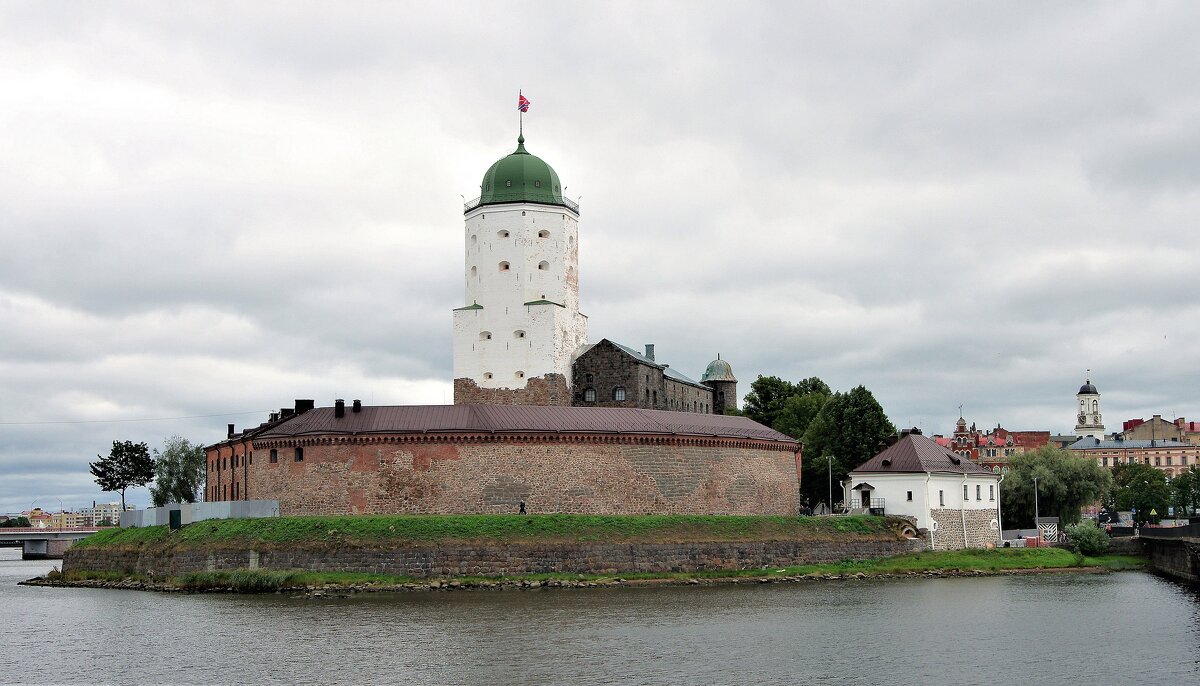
{"x": 992, "y": 449}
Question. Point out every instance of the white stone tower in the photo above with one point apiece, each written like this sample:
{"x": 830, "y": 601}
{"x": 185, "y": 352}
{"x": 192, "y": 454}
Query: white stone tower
{"x": 515, "y": 336}
{"x": 1089, "y": 421}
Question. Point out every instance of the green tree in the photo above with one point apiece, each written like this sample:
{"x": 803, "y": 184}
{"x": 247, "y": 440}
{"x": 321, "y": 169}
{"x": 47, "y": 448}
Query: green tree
{"x": 1087, "y": 539}
{"x": 849, "y": 429}
{"x": 16, "y": 522}
{"x": 1186, "y": 490}
{"x": 1141, "y": 487}
{"x": 127, "y": 465}
{"x": 1065, "y": 483}
{"x": 766, "y": 398}
{"x": 179, "y": 472}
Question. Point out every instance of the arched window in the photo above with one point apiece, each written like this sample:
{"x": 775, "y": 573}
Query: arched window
{"x": 589, "y": 395}
{"x": 520, "y": 375}
{"x": 518, "y": 334}
{"x": 502, "y": 234}
{"x": 474, "y": 273}
{"x": 487, "y": 376}
{"x": 543, "y": 234}
{"x": 474, "y": 239}
{"x": 503, "y": 266}
{"x": 485, "y": 335}
{"x": 1095, "y": 406}
{"x": 543, "y": 265}
{"x": 619, "y": 393}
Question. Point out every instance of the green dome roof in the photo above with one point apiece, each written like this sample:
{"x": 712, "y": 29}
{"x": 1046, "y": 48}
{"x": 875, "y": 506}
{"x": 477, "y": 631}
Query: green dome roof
{"x": 521, "y": 177}
{"x": 718, "y": 370}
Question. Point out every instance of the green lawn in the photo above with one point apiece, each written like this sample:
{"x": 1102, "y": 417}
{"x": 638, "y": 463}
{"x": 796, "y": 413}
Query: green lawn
{"x": 420, "y": 529}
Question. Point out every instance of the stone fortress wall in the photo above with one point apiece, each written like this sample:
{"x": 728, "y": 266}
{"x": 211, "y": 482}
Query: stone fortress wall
{"x": 491, "y": 475}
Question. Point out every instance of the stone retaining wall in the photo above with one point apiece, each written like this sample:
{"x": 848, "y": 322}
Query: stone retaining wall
{"x": 1175, "y": 557}
{"x": 496, "y": 560}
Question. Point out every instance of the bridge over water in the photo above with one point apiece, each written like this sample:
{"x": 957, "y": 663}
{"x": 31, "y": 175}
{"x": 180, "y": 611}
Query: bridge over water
{"x": 47, "y": 542}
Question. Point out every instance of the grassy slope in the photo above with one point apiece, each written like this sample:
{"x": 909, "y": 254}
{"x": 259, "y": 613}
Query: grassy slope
{"x": 421, "y": 529}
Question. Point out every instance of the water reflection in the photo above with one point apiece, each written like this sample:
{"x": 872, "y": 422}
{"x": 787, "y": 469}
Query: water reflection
{"x": 1033, "y": 629}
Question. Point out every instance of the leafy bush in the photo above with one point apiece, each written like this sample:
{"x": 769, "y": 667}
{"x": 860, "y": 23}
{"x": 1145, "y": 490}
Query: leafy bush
{"x": 1087, "y": 539}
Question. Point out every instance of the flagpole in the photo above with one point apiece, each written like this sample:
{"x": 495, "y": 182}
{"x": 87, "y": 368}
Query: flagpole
{"x": 520, "y": 115}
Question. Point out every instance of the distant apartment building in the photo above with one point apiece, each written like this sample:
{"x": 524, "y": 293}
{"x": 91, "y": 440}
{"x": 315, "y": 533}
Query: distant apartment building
{"x": 66, "y": 520}
{"x": 100, "y": 513}
{"x": 1156, "y": 429}
{"x": 1171, "y": 456}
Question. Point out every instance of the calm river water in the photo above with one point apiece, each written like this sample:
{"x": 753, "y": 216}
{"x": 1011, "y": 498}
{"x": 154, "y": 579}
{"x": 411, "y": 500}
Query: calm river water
{"x": 1128, "y": 628}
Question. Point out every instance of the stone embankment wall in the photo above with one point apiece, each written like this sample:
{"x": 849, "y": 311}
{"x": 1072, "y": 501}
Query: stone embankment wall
{"x": 1175, "y": 557}
{"x": 465, "y": 559}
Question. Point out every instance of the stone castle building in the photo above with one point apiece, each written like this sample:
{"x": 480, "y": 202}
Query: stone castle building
{"x": 518, "y": 331}
{"x": 643, "y": 439}
{"x": 520, "y": 339}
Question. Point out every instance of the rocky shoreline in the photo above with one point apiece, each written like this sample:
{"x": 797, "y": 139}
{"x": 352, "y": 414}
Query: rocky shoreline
{"x": 346, "y": 590}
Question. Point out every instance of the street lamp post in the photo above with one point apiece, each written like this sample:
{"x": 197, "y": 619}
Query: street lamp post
{"x": 830, "y": 458}
{"x": 1035, "y": 508}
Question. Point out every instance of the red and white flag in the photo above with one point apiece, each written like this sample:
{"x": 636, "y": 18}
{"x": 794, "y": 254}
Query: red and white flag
{"x": 522, "y": 103}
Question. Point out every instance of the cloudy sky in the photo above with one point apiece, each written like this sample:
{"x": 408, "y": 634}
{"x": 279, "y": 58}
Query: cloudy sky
{"x": 208, "y": 210}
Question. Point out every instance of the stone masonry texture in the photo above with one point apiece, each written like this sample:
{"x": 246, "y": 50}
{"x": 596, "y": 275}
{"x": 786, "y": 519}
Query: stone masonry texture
{"x": 550, "y": 389}
{"x": 465, "y": 559}
{"x": 949, "y": 535}
{"x": 393, "y": 475}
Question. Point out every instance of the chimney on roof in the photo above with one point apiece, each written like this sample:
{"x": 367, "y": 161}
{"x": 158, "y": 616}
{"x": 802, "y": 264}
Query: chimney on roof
{"x": 339, "y": 408}
{"x": 304, "y": 405}
{"x": 357, "y": 406}
{"x": 273, "y": 417}
{"x": 230, "y": 433}
{"x": 286, "y": 412}
{"x": 650, "y": 351}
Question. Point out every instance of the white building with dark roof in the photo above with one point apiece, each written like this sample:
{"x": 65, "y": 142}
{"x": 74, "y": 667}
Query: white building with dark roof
{"x": 954, "y": 499}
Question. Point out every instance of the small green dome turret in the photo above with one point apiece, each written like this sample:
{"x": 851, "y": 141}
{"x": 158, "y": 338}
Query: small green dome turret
{"x": 521, "y": 177}
{"x": 718, "y": 370}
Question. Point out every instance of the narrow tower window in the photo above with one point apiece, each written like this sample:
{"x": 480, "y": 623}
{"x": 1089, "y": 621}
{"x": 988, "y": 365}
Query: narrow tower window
{"x": 474, "y": 273}
{"x": 543, "y": 265}
{"x": 508, "y": 184}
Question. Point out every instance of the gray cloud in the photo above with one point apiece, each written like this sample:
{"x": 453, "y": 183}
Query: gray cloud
{"x": 218, "y": 210}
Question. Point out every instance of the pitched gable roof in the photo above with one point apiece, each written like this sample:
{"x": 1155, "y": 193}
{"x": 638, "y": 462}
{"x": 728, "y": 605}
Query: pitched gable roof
{"x": 915, "y": 453}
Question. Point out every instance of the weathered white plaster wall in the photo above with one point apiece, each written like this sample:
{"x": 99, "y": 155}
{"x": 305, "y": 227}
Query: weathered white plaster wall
{"x": 515, "y": 254}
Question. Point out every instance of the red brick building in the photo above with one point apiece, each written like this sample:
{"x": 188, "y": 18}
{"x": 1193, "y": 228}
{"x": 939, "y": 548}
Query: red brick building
{"x": 453, "y": 459}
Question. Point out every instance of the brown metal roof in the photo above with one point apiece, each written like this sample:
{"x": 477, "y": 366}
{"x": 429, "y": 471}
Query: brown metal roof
{"x": 509, "y": 419}
{"x": 916, "y": 453}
